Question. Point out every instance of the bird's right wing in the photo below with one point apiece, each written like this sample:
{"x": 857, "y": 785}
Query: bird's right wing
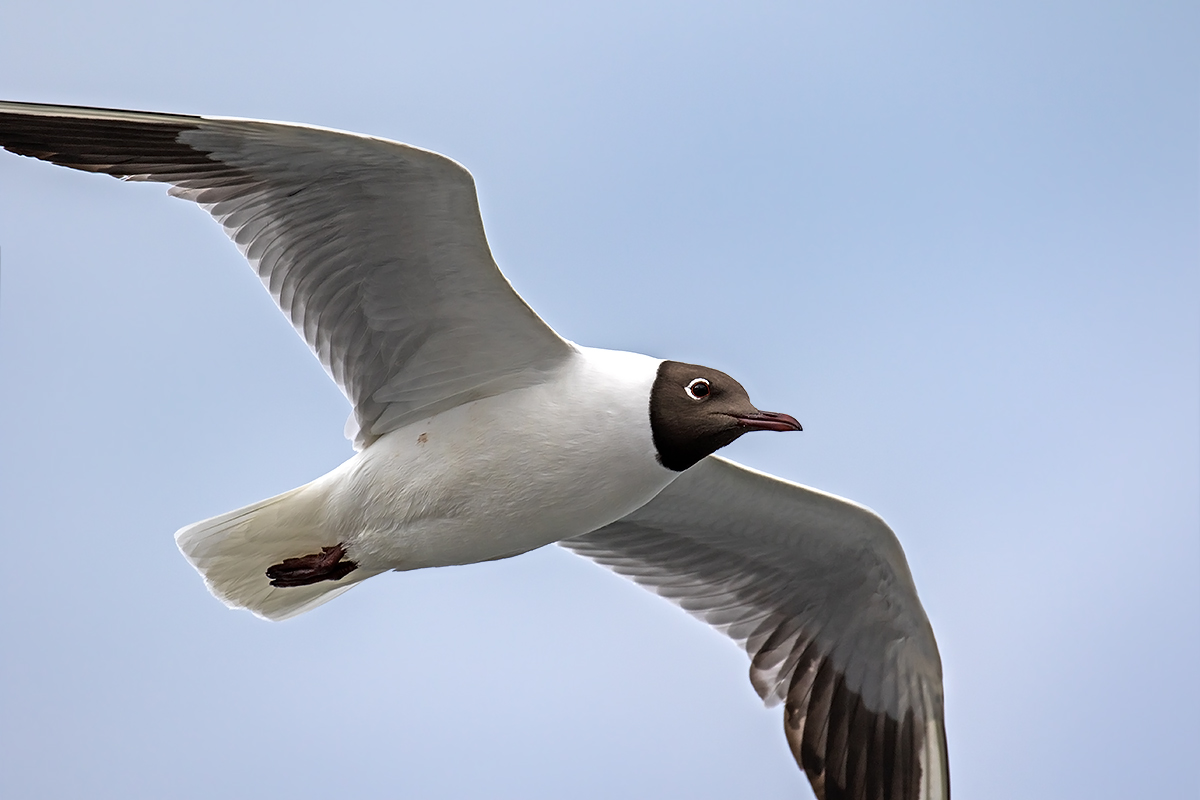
{"x": 817, "y": 590}
{"x": 373, "y": 249}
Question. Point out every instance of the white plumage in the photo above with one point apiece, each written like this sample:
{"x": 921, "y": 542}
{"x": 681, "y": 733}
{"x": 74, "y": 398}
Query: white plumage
{"x": 485, "y": 480}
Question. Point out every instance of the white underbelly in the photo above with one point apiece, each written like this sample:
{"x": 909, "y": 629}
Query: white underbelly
{"x": 496, "y": 477}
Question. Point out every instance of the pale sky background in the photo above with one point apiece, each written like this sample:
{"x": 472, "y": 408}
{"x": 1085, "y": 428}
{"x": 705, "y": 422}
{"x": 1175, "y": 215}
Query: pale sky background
{"x": 959, "y": 241}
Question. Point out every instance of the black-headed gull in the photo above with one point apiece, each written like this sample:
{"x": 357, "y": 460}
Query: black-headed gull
{"x": 482, "y": 434}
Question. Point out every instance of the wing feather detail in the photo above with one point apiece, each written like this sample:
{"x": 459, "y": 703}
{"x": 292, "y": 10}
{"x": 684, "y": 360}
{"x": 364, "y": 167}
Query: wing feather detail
{"x": 818, "y": 592}
{"x": 374, "y": 250}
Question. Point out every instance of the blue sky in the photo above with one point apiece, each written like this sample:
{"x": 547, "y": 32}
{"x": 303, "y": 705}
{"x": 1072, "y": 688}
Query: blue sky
{"x": 958, "y": 241}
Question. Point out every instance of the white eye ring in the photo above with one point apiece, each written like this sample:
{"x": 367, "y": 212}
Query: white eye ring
{"x": 698, "y": 389}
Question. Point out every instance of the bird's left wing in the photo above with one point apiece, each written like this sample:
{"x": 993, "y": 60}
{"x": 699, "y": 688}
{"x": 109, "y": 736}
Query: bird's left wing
{"x": 373, "y": 249}
{"x": 818, "y": 591}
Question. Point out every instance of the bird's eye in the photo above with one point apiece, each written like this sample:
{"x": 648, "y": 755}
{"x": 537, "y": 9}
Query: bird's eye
{"x": 698, "y": 389}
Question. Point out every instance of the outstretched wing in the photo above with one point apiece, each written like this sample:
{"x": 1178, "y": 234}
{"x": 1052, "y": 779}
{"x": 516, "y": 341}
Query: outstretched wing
{"x": 818, "y": 591}
{"x": 374, "y": 250}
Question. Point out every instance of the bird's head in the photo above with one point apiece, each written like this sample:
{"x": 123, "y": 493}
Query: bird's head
{"x": 695, "y": 411}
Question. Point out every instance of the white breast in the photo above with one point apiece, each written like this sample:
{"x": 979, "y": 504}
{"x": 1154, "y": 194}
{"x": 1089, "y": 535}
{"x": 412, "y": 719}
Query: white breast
{"x": 503, "y": 475}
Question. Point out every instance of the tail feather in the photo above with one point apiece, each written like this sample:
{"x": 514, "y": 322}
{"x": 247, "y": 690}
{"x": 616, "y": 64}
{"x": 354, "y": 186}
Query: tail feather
{"x": 233, "y": 552}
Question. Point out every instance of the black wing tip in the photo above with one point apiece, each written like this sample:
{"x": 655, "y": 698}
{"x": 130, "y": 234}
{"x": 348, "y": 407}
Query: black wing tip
{"x": 849, "y": 751}
{"x": 18, "y": 108}
{"x": 108, "y": 141}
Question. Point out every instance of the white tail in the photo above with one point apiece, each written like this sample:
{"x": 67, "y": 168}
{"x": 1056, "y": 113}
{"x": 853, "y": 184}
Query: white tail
{"x": 233, "y": 551}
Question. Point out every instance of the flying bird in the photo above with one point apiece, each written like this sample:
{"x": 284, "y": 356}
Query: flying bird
{"x": 481, "y": 434}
